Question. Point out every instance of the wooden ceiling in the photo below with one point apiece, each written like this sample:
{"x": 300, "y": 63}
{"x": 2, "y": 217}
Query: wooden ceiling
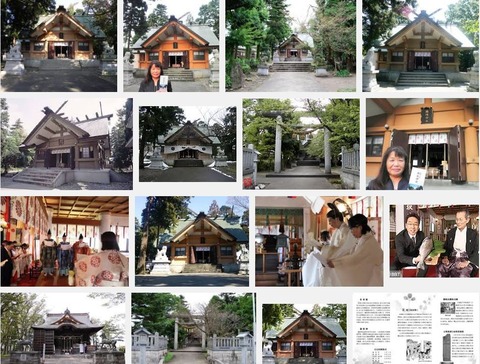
{"x": 443, "y": 210}
{"x": 86, "y": 207}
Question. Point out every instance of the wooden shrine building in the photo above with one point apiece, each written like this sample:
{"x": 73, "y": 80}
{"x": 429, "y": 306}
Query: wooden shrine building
{"x": 63, "y": 333}
{"x": 296, "y": 48}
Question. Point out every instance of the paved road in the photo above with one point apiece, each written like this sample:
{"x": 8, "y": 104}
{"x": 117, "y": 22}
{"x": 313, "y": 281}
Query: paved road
{"x": 188, "y": 356}
{"x": 192, "y": 280}
{"x": 300, "y": 82}
{"x": 58, "y": 81}
{"x": 183, "y": 174}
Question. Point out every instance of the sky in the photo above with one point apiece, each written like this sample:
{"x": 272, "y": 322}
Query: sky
{"x": 29, "y": 111}
{"x": 430, "y": 6}
{"x": 197, "y": 204}
{"x": 300, "y": 11}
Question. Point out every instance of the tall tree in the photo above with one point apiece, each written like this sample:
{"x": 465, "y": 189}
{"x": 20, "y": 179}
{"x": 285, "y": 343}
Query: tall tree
{"x": 158, "y": 16}
{"x": 208, "y": 14}
{"x": 20, "y": 15}
{"x": 155, "y": 121}
{"x": 379, "y": 17}
{"x": 104, "y": 13}
{"x": 274, "y": 314}
{"x": 19, "y": 311}
{"x": 120, "y": 135}
{"x": 278, "y": 28}
{"x": 134, "y": 20}
{"x": 226, "y": 131}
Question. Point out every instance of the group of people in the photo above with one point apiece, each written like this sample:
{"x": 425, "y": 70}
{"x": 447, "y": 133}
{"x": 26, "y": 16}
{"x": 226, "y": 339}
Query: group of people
{"x": 107, "y": 268}
{"x": 15, "y": 260}
{"x": 460, "y": 258}
{"x": 351, "y": 257}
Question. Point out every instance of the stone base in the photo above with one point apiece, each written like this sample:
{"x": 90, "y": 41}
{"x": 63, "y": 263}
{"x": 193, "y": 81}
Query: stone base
{"x": 243, "y": 268}
{"x": 473, "y": 87}
{"x": 14, "y": 67}
{"x": 25, "y": 357}
{"x": 109, "y": 69}
{"x": 262, "y": 71}
{"x": 369, "y": 81}
{"x": 321, "y": 72}
{"x": 157, "y": 163}
{"x": 160, "y": 267}
{"x": 113, "y": 357}
{"x": 128, "y": 77}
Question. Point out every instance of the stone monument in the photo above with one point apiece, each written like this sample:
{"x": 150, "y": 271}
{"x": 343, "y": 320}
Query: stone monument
{"x": 109, "y": 61}
{"x": 237, "y": 76}
{"x": 161, "y": 264}
{"x": 473, "y": 87}
{"x": 369, "y": 80}
{"x": 221, "y": 158}
{"x": 267, "y": 354}
{"x": 157, "y": 160}
{"x": 14, "y": 61}
{"x": 242, "y": 260}
{"x": 276, "y": 57}
{"x": 262, "y": 69}
{"x": 127, "y": 70}
{"x": 214, "y": 70}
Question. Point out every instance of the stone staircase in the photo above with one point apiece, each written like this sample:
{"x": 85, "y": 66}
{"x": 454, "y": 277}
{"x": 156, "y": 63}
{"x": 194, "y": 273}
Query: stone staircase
{"x": 291, "y": 67}
{"x": 179, "y": 74}
{"x": 200, "y": 268}
{"x": 422, "y": 79}
{"x": 305, "y": 360}
{"x": 60, "y": 64}
{"x": 38, "y": 176}
{"x": 188, "y": 163}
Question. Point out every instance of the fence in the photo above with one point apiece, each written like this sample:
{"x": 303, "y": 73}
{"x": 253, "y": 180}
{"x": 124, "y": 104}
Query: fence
{"x": 151, "y": 342}
{"x": 229, "y": 343}
{"x": 351, "y": 168}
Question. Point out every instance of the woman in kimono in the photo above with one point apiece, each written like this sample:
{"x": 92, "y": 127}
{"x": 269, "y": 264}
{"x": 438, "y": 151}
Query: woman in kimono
{"x": 109, "y": 268}
{"x": 364, "y": 265}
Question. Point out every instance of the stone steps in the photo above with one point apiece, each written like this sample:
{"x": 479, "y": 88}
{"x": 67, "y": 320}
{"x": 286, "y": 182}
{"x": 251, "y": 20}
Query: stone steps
{"x": 44, "y": 177}
{"x": 60, "y": 64}
{"x": 65, "y": 359}
{"x": 200, "y": 268}
{"x": 420, "y": 79}
{"x": 291, "y": 67}
{"x": 179, "y": 74}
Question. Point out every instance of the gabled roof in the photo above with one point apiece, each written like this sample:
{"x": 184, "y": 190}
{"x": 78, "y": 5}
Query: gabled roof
{"x": 300, "y": 38}
{"x": 202, "y": 218}
{"x": 47, "y": 22}
{"x": 201, "y": 35}
{"x": 328, "y": 325}
{"x": 81, "y": 321}
{"x": 53, "y": 123}
{"x": 451, "y": 35}
{"x": 202, "y": 132}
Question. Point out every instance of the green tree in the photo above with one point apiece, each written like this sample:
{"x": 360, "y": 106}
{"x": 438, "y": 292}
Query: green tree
{"x": 11, "y": 139}
{"x": 158, "y": 16}
{"x": 274, "y": 314}
{"x": 21, "y": 15}
{"x": 342, "y": 117}
{"x": 337, "y": 311}
{"x": 208, "y": 14}
{"x": 333, "y": 32}
{"x": 120, "y": 135}
{"x": 111, "y": 299}
{"x": 379, "y": 17}
{"x": 134, "y": 20}
{"x": 155, "y": 121}
{"x": 278, "y": 28}
{"x": 156, "y": 312}
{"x": 226, "y": 131}
{"x": 104, "y": 14}
{"x": 260, "y": 129}
{"x": 160, "y": 214}
{"x": 19, "y": 311}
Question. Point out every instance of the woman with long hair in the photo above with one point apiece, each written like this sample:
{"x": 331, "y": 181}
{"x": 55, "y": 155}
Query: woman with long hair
{"x": 393, "y": 173}
{"x": 151, "y": 83}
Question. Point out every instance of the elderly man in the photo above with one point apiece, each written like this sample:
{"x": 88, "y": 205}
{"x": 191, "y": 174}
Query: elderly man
{"x": 407, "y": 244}
{"x": 463, "y": 238}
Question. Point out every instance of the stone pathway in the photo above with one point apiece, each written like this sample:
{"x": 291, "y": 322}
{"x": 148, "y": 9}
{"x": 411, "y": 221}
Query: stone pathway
{"x": 298, "y": 82}
{"x": 7, "y": 183}
{"x": 58, "y": 81}
{"x": 183, "y": 174}
{"x": 190, "y": 357}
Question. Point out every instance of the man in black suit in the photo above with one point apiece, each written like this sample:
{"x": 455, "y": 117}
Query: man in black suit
{"x": 407, "y": 244}
{"x": 463, "y": 238}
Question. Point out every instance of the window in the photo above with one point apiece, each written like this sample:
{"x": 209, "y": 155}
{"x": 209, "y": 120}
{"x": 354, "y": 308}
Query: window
{"x": 374, "y": 146}
{"x": 198, "y": 55}
{"x": 153, "y": 56}
{"x": 397, "y": 56}
{"x": 86, "y": 152}
{"x": 38, "y": 46}
{"x": 226, "y": 251}
{"x": 175, "y": 45}
{"x": 327, "y": 346}
{"x": 83, "y": 46}
{"x": 448, "y": 57}
{"x": 179, "y": 252}
{"x": 285, "y": 347}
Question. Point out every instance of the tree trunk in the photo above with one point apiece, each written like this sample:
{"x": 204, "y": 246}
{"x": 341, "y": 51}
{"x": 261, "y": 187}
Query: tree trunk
{"x": 327, "y": 153}
{"x": 144, "y": 242}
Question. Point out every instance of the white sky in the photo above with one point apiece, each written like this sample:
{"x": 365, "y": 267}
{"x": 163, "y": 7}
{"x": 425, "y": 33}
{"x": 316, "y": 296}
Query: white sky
{"x": 430, "y": 6}
{"x": 300, "y": 11}
{"x": 29, "y": 111}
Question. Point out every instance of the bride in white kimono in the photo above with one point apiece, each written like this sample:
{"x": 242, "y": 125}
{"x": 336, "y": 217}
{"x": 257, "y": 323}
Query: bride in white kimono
{"x": 364, "y": 265}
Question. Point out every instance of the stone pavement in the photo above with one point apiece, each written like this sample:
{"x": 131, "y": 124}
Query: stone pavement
{"x": 302, "y": 177}
{"x": 58, "y": 81}
{"x": 388, "y": 87}
{"x": 7, "y": 184}
{"x": 190, "y": 357}
{"x": 177, "y": 86}
{"x": 192, "y": 280}
{"x": 298, "y": 82}
{"x": 183, "y": 174}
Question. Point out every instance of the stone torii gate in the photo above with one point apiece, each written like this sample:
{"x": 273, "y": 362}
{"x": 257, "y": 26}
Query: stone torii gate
{"x": 190, "y": 323}
{"x": 279, "y": 116}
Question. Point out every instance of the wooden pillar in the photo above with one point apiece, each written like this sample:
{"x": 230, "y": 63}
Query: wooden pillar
{"x": 471, "y": 153}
